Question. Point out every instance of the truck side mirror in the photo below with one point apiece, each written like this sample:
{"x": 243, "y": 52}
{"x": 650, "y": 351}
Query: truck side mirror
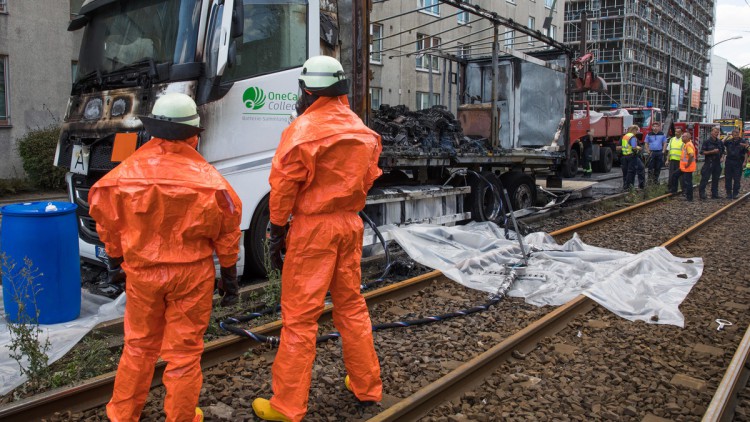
{"x": 238, "y": 18}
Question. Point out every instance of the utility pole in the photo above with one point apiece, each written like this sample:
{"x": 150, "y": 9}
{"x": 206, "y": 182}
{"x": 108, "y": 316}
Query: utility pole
{"x": 494, "y": 123}
{"x": 669, "y": 84}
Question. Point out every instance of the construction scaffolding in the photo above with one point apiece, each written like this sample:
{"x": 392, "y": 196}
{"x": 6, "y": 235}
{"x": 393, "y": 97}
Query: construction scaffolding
{"x": 642, "y": 48}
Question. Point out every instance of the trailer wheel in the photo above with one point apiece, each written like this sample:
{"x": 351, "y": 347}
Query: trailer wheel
{"x": 521, "y": 189}
{"x": 570, "y": 166}
{"x": 259, "y": 232}
{"x": 606, "y": 158}
{"x": 482, "y": 202}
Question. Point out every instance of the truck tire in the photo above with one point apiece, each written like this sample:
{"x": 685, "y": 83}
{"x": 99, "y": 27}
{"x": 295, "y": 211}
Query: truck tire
{"x": 606, "y": 158}
{"x": 255, "y": 238}
{"x": 521, "y": 189}
{"x": 481, "y": 200}
{"x": 570, "y": 166}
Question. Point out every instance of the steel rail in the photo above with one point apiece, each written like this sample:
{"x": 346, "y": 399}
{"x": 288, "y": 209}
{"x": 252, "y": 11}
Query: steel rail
{"x": 723, "y": 404}
{"x": 475, "y": 371}
{"x": 724, "y": 401}
{"x": 97, "y": 391}
{"x": 601, "y": 218}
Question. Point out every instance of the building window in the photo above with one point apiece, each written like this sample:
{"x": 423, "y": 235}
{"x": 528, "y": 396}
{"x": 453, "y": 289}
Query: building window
{"x": 4, "y": 108}
{"x": 532, "y": 24}
{"x": 509, "y": 39}
{"x": 553, "y": 32}
{"x": 431, "y": 7}
{"x": 423, "y": 99}
{"x": 376, "y": 43}
{"x": 75, "y": 6}
{"x": 376, "y": 98}
{"x": 463, "y": 17}
{"x": 73, "y": 70}
{"x": 548, "y": 4}
{"x": 464, "y": 51}
{"x": 3, "y": 6}
{"x": 424, "y": 60}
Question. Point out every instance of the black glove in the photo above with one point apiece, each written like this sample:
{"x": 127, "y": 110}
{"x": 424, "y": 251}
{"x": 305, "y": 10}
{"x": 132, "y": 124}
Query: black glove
{"x": 115, "y": 274}
{"x": 277, "y": 246}
{"x": 228, "y": 287}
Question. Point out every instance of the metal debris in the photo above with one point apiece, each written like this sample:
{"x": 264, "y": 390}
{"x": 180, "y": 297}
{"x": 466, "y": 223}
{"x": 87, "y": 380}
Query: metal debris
{"x": 432, "y": 131}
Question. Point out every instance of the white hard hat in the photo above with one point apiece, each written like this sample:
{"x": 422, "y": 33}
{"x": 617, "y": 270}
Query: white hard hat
{"x": 174, "y": 116}
{"x": 323, "y": 76}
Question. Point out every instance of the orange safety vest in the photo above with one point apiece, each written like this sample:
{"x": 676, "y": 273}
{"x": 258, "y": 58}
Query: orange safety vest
{"x": 687, "y": 161}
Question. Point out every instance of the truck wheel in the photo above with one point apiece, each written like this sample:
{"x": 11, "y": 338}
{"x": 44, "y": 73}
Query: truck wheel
{"x": 482, "y": 201}
{"x": 259, "y": 232}
{"x": 570, "y": 166}
{"x": 521, "y": 189}
{"x": 606, "y": 158}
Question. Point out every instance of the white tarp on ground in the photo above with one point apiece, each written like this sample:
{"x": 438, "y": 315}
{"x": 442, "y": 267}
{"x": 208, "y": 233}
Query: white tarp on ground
{"x": 648, "y": 286}
{"x": 62, "y": 337}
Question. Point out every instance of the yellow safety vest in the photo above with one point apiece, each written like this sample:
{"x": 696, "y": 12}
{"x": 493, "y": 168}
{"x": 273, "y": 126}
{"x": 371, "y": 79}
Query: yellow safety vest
{"x": 626, "y": 148}
{"x": 675, "y": 148}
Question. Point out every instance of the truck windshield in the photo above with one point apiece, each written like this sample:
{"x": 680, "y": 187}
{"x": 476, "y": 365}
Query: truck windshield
{"x": 138, "y": 31}
{"x": 641, "y": 118}
{"x": 746, "y": 127}
{"x": 727, "y": 128}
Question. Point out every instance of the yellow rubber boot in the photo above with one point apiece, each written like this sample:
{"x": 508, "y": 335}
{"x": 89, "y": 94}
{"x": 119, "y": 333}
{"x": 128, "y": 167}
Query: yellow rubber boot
{"x": 263, "y": 410}
{"x": 348, "y": 385}
{"x": 198, "y": 415}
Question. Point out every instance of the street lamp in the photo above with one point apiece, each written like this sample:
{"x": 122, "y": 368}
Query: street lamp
{"x": 692, "y": 69}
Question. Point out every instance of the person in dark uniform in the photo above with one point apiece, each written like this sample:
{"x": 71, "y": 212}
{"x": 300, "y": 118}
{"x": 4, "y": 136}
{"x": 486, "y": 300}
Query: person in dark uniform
{"x": 735, "y": 148}
{"x": 587, "y": 154}
{"x": 712, "y": 149}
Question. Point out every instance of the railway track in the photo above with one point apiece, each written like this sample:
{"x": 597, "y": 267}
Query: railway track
{"x": 96, "y": 391}
{"x": 473, "y": 373}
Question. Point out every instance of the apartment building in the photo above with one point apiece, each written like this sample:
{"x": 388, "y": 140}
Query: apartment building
{"x": 646, "y": 50}
{"x": 37, "y": 61}
{"x": 724, "y": 90}
{"x": 403, "y": 74}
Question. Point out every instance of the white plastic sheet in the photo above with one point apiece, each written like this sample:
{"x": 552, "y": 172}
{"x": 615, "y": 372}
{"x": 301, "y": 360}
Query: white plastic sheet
{"x": 648, "y": 286}
{"x": 62, "y": 337}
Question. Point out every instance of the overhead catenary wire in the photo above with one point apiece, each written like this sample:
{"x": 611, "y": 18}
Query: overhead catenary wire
{"x": 406, "y": 31}
{"x": 421, "y": 51}
{"x": 428, "y": 36}
{"x": 404, "y": 14}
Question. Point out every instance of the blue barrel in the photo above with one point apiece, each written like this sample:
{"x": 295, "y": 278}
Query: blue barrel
{"x": 47, "y": 234}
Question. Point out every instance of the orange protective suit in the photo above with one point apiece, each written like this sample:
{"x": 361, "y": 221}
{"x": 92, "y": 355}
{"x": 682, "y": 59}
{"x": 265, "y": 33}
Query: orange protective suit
{"x": 165, "y": 210}
{"x": 325, "y": 164}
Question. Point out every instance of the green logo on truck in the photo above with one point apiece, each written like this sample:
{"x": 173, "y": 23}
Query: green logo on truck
{"x": 254, "y": 98}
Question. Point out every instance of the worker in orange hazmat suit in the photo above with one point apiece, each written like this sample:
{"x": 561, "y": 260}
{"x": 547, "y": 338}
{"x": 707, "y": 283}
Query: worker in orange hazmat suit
{"x": 326, "y": 162}
{"x": 162, "y": 213}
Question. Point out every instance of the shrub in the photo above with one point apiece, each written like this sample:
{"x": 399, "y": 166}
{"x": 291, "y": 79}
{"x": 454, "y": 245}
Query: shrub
{"x": 28, "y": 343}
{"x": 37, "y": 150}
{"x": 13, "y": 186}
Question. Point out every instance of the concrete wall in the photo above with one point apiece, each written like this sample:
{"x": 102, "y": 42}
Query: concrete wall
{"x": 398, "y": 76}
{"x": 39, "y": 51}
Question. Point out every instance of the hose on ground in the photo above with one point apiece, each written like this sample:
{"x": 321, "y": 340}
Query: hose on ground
{"x": 511, "y": 276}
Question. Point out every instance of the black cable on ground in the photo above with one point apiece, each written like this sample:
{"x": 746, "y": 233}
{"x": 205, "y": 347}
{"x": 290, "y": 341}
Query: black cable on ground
{"x": 229, "y": 323}
{"x": 388, "y": 262}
